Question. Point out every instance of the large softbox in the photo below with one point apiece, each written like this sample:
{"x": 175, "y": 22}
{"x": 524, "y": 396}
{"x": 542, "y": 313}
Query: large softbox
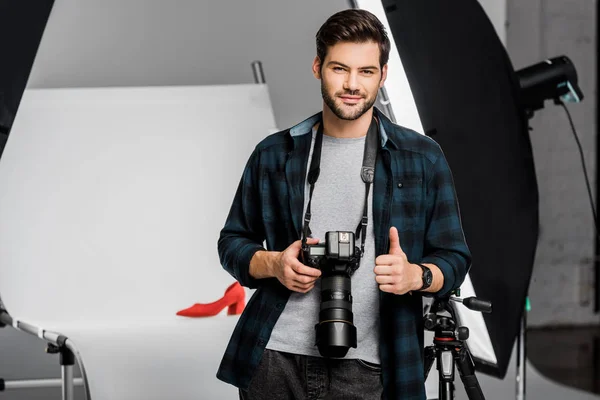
{"x": 22, "y": 24}
{"x": 467, "y": 96}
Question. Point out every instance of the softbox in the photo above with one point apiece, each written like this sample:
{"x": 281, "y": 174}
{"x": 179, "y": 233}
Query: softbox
{"x": 22, "y": 24}
{"x": 467, "y": 95}
{"x": 3, "y": 139}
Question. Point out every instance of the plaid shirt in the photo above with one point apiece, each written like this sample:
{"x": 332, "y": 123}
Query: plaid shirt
{"x": 413, "y": 191}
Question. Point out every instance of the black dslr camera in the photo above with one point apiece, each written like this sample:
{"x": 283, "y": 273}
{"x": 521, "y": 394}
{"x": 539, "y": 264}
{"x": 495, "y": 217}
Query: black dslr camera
{"x": 338, "y": 258}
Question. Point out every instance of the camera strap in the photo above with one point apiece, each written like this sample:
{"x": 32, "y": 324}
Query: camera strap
{"x": 367, "y": 174}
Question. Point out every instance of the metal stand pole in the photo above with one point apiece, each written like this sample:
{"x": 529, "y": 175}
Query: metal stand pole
{"x": 522, "y": 357}
{"x": 67, "y": 360}
{"x": 35, "y": 384}
{"x": 384, "y": 100}
{"x": 67, "y": 382}
{"x": 257, "y": 69}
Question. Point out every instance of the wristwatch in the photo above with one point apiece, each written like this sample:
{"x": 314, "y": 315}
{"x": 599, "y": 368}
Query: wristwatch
{"x": 427, "y": 277}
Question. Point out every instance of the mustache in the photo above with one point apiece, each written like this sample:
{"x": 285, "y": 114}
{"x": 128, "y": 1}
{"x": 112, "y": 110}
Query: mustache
{"x": 354, "y": 93}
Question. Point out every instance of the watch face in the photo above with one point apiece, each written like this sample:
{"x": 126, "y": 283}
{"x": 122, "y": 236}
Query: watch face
{"x": 427, "y": 277}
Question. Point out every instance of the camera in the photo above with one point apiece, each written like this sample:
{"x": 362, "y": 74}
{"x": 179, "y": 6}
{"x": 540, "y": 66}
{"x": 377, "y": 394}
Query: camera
{"x": 338, "y": 258}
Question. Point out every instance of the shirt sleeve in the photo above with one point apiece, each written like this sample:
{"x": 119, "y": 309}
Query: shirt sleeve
{"x": 445, "y": 244}
{"x": 243, "y": 233}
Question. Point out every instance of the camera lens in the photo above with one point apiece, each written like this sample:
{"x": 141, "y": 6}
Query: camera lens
{"x": 335, "y": 331}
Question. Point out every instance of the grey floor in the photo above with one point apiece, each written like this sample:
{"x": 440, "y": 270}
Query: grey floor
{"x": 566, "y": 355}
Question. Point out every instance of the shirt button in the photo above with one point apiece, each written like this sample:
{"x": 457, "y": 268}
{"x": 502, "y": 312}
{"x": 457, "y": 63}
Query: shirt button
{"x": 399, "y": 185}
{"x": 261, "y": 342}
{"x": 279, "y": 306}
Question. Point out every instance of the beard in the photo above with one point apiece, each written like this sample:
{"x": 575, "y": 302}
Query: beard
{"x": 355, "y": 111}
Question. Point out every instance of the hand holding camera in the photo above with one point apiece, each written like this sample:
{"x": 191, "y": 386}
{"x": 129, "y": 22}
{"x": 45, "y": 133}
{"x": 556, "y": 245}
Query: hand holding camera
{"x": 292, "y": 274}
{"x": 394, "y": 273}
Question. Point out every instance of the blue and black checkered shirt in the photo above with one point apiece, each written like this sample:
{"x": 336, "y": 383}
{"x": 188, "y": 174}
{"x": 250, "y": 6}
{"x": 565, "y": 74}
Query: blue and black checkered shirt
{"x": 413, "y": 191}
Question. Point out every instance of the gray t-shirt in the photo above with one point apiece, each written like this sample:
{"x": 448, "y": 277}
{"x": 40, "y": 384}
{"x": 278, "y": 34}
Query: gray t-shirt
{"x": 337, "y": 205}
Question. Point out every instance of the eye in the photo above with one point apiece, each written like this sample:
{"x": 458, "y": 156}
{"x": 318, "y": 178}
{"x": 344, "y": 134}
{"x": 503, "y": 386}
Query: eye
{"x": 338, "y": 68}
{"x": 368, "y": 72}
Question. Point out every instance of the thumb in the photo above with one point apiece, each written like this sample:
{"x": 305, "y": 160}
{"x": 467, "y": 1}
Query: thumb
{"x": 297, "y": 245}
{"x": 395, "y": 248}
{"x": 311, "y": 240}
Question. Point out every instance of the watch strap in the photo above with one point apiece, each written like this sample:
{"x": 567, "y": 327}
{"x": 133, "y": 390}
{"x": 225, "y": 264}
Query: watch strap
{"x": 423, "y": 269}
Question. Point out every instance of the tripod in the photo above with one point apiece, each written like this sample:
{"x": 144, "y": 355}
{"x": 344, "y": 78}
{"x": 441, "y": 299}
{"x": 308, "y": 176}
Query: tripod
{"x": 449, "y": 349}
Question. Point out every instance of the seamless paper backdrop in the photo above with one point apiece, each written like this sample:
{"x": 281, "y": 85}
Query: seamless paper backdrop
{"x": 111, "y": 205}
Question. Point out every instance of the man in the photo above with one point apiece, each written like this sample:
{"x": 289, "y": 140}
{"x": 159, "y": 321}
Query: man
{"x": 413, "y": 243}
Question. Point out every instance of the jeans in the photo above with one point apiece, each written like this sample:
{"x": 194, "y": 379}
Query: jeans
{"x": 283, "y": 376}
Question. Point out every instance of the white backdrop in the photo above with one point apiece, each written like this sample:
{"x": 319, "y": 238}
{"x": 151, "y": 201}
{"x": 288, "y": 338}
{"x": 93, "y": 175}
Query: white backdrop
{"x": 112, "y": 203}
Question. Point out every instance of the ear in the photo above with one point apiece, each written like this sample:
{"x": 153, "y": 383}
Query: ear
{"x": 383, "y": 75}
{"x": 316, "y": 67}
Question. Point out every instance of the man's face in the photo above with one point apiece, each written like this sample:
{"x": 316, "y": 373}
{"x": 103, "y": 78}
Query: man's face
{"x": 350, "y": 78}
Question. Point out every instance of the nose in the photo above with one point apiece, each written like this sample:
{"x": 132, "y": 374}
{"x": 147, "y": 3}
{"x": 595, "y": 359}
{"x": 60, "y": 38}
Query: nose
{"x": 351, "y": 82}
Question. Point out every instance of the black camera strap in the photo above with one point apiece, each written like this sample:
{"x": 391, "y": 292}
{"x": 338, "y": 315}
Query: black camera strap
{"x": 367, "y": 174}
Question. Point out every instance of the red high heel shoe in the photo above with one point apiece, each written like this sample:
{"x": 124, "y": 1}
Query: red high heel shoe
{"x": 234, "y": 299}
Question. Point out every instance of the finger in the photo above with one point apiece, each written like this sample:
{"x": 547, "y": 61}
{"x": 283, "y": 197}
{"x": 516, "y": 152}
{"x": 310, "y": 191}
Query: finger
{"x": 304, "y": 279}
{"x": 387, "y": 288}
{"x": 302, "y": 289}
{"x": 385, "y": 279}
{"x": 303, "y": 285}
{"x": 386, "y": 259}
{"x": 383, "y": 270}
{"x": 395, "y": 248}
{"x": 302, "y": 269}
{"x": 310, "y": 240}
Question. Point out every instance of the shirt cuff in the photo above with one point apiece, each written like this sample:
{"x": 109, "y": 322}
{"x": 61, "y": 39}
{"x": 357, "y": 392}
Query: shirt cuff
{"x": 448, "y": 272}
{"x": 243, "y": 272}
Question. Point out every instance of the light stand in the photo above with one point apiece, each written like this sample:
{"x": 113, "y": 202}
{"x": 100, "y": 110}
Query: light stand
{"x": 522, "y": 356}
{"x": 553, "y": 79}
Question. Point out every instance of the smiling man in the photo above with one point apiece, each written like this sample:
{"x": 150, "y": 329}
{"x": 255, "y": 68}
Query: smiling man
{"x": 409, "y": 237}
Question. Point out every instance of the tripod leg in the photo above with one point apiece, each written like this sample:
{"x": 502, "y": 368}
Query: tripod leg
{"x": 446, "y": 391}
{"x": 466, "y": 370}
{"x": 429, "y": 359}
{"x": 445, "y": 361}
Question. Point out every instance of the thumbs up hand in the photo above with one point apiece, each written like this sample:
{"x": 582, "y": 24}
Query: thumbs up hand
{"x": 395, "y": 248}
{"x": 393, "y": 272}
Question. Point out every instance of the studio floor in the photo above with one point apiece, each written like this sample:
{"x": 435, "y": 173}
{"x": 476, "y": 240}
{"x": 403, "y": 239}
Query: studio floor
{"x": 570, "y": 356}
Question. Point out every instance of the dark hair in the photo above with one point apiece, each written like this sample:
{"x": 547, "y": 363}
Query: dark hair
{"x": 356, "y": 26}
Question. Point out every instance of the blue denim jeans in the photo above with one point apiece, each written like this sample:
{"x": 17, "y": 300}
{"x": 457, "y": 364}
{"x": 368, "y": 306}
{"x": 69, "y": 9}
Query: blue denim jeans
{"x": 283, "y": 376}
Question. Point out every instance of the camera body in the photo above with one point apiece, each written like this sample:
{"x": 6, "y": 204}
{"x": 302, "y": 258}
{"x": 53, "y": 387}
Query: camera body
{"x": 338, "y": 254}
{"x": 338, "y": 258}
